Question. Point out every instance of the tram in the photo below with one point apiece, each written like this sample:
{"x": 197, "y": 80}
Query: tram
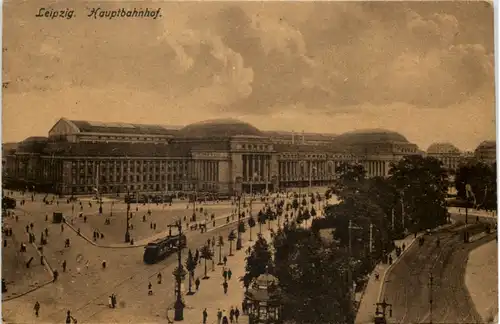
{"x": 161, "y": 248}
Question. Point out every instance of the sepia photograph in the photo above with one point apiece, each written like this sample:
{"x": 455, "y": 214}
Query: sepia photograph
{"x": 274, "y": 162}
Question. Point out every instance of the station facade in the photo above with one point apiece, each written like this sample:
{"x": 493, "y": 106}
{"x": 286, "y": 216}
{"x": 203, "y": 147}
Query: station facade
{"x": 217, "y": 156}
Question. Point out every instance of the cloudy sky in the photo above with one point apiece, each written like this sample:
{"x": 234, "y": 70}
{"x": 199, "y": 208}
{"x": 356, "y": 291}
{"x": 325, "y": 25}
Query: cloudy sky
{"x": 424, "y": 69}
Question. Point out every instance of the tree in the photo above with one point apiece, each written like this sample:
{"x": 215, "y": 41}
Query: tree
{"x": 241, "y": 227}
{"x": 313, "y": 212}
{"x": 306, "y": 215}
{"x": 231, "y": 237}
{"x": 349, "y": 179}
{"x": 258, "y": 260}
{"x": 251, "y": 224}
{"x": 482, "y": 180}
{"x": 304, "y": 202}
{"x": 307, "y": 269}
{"x": 299, "y": 218}
{"x": 220, "y": 244}
{"x": 206, "y": 254}
{"x": 422, "y": 184}
{"x": 261, "y": 218}
{"x": 190, "y": 266}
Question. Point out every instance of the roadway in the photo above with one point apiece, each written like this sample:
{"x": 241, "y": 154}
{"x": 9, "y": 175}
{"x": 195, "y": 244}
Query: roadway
{"x": 407, "y": 286}
{"x": 85, "y": 290}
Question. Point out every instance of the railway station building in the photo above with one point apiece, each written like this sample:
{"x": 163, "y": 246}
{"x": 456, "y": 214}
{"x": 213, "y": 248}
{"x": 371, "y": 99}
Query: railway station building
{"x": 217, "y": 156}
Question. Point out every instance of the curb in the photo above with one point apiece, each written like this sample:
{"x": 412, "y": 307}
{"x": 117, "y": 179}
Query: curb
{"x": 388, "y": 270}
{"x": 27, "y": 292}
{"x": 125, "y": 246}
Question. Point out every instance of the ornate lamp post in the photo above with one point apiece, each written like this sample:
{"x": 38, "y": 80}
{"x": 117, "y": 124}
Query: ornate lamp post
{"x": 179, "y": 274}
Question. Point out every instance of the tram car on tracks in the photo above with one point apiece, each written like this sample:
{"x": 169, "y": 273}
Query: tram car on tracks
{"x": 159, "y": 249}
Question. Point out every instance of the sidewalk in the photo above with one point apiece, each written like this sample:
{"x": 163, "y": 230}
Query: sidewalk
{"x": 481, "y": 280}
{"x": 211, "y": 295}
{"x": 374, "y": 288}
{"x": 21, "y": 280}
{"x": 472, "y": 212}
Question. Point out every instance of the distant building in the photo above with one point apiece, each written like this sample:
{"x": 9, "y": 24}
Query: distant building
{"x": 447, "y": 153}
{"x": 487, "y": 152}
{"x": 223, "y": 156}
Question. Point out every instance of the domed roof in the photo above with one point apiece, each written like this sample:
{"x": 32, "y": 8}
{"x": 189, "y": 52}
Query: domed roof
{"x": 219, "y": 128}
{"x": 487, "y": 145}
{"x": 370, "y": 136}
{"x": 439, "y": 148}
{"x": 35, "y": 139}
{"x": 34, "y": 144}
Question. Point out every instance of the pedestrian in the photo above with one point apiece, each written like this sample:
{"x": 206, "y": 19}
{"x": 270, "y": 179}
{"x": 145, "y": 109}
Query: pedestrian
{"x": 150, "y": 289}
{"x": 229, "y": 274}
{"x": 159, "y": 277}
{"x": 103, "y": 264}
{"x": 219, "y": 316}
{"x": 205, "y": 315}
{"x": 225, "y": 260}
{"x": 64, "y": 266}
{"x": 244, "y": 306}
{"x": 31, "y": 226}
{"x": 231, "y": 315}
{"x": 225, "y": 320}
{"x": 236, "y": 314}
{"x": 27, "y": 229}
{"x": 225, "y": 285}
{"x": 62, "y": 228}
{"x": 197, "y": 284}
{"x": 56, "y": 275}
{"x": 85, "y": 218}
{"x": 113, "y": 300}
{"x": 224, "y": 274}
{"x": 46, "y": 232}
{"x": 46, "y": 217}
{"x": 68, "y": 317}
{"x": 37, "y": 308}
{"x": 110, "y": 301}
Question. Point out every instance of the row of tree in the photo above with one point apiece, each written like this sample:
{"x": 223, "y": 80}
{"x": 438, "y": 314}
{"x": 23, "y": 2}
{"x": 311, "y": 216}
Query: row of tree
{"x": 313, "y": 272}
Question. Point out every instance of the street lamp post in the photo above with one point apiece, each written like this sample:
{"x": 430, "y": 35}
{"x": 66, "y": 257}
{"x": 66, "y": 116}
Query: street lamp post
{"x": 311, "y": 168}
{"x": 127, "y": 231}
{"x": 349, "y": 266}
{"x": 238, "y": 240}
{"x": 431, "y": 283}
{"x": 179, "y": 304}
{"x": 267, "y": 175}
{"x": 301, "y": 164}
